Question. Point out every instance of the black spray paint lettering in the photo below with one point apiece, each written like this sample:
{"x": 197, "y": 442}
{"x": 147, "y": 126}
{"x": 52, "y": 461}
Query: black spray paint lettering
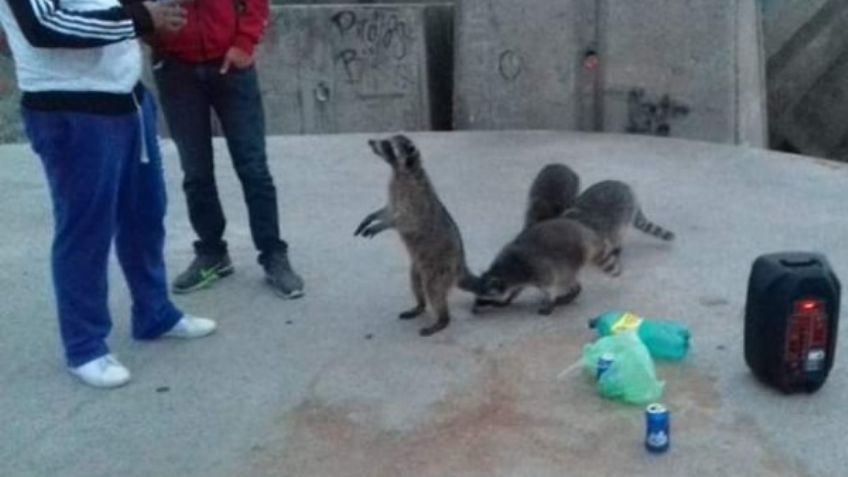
{"x": 510, "y": 65}
{"x": 380, "y": 30}
{"x": 647, "y": 117}
{"x": 352, "y": 64}
{"x": 344, "y": 21}
{"x": 372, "y": 42}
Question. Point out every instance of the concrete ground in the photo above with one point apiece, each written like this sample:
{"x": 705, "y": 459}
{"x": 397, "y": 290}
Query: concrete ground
{"x": 335, "y": 385}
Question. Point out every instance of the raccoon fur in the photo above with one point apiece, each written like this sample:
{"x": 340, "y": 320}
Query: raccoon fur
{"x": 553, "y": 191}
{"x": 426, "y": 228}
{"x": 609, "y": 208}
{"x": 548, "y": 256}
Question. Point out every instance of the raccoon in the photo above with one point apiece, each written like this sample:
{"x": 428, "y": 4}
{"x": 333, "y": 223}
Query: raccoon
{"x": 608, "y": 207}
{"x": 548, "y": 256}
{"x": 553, "y": 191}
{"x": 427, "y": 230}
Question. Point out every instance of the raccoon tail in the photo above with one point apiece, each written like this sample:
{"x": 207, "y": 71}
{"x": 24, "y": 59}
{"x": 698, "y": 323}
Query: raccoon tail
{"x": 642, "y": 223}
{"x": 469, "y": 282}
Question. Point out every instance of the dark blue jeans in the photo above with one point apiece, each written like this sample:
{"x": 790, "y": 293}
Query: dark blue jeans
{"x": 101, "y": 190}
{"x": 188, "y": 93}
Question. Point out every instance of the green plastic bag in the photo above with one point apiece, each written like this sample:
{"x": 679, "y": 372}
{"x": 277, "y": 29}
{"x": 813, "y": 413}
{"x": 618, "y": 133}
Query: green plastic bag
{"x": 664, "y": 339}
{"x": 631, "y": 377}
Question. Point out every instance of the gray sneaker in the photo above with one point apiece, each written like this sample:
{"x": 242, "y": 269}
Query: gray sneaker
{"x": 203, "y": 272}
{"x": 281, "y": 277}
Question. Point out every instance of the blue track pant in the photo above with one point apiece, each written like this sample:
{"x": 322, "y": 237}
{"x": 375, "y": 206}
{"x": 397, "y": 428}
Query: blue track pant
{"x": 106, "y": 183}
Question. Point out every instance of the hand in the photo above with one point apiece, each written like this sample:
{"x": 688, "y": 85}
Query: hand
{"x": 238, "y": 58}
{"x": 168, "y": 16}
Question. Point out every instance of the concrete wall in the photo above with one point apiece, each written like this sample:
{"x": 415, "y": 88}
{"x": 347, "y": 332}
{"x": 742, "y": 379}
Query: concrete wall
{"x": 330, "y": 69}
{"x": 359, "y": 66}
{"x": 518, "y": 63}
{"x": 690, "y": 63}
{"x": 783, "y": 18}
{"x": 691, "y": 69}
{"x": 807, "y": 48}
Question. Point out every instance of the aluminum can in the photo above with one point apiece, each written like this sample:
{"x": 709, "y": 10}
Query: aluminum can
{"x": 658, "y": 428}
{"x": 604, "y": 364}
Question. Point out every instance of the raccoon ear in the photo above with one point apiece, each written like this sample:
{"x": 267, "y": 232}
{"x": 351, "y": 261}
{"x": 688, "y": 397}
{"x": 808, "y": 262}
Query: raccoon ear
{"x": 405, "y": 145}
{"x": 403, "y": 140}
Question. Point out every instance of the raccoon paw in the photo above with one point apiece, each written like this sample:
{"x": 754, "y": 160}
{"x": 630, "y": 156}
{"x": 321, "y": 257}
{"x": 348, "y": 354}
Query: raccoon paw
{"x": 371, "y": 229}
{"x": 431, "y": 330}
{"x": 362, "y": 226}
{"x": 411, "y": 313}
{"x": 569, "y": 296}
{"x": 370, "y": 232}
{"x": 481, "y": 304}
{"x": 546, "y": 309}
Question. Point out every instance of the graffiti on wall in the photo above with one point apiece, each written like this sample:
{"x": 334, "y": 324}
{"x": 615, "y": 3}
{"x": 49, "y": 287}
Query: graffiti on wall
{"x": 652, "y": 117}
{"x": 510, "y": 65}
{"x": 373, "y": 51}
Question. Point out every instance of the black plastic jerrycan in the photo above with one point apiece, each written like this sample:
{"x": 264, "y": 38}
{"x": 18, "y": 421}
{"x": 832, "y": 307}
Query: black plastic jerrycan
{"x": 791, "y": 320}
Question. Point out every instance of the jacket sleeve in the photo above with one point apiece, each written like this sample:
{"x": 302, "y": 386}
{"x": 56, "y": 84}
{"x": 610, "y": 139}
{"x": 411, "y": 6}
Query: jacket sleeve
{"x": 252, "y": 20}
{"x": 46, "y": 24}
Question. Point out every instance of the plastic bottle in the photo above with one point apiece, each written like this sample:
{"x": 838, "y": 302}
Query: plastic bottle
{"x": 664, "y": 339}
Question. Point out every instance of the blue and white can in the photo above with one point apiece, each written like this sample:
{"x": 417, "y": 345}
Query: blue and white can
{"x": 605, "y": 362}
{"x": 658, "y": 433}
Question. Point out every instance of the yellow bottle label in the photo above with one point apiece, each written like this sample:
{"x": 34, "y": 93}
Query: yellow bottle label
{"x": 627, "y": 322}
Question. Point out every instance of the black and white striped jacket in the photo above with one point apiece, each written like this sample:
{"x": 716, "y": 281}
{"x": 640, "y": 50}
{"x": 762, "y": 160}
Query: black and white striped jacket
{"x": 76, "y": 55}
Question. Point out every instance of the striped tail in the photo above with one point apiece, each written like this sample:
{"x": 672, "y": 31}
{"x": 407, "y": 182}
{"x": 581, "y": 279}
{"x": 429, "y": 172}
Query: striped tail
{"x": 469, "y": 282}
{"x": 642, "y": 223}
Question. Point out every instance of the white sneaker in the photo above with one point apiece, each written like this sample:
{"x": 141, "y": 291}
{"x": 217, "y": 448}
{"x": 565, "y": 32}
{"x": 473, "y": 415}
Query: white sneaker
{"x": 191, "y": 327}
{"x": 103, "y": 372}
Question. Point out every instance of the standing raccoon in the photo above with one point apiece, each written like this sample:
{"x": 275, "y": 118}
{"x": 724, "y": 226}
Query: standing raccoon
{"x": 553, "y": 191}
{"x": 609, "y": 208}
{"x": 548, "y": 256}
{"x": 428, "y": 231}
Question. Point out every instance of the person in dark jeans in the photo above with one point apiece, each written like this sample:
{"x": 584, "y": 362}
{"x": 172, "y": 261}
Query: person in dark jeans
{"x": 206, "y": 66}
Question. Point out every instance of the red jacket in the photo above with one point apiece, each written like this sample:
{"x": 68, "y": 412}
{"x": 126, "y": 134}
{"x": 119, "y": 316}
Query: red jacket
{"x": 213, "y": 27}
